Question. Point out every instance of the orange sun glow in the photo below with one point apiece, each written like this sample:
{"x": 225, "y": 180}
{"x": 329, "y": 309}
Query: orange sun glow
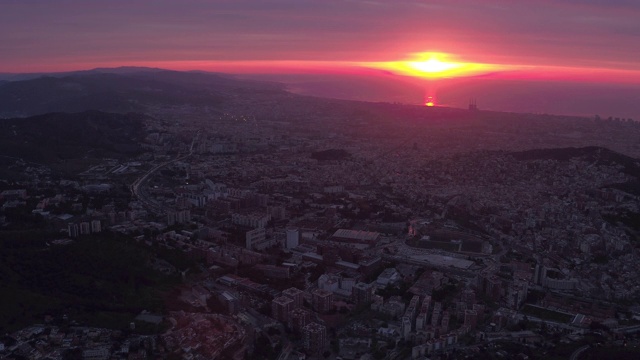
{"x": 433, "y": 66}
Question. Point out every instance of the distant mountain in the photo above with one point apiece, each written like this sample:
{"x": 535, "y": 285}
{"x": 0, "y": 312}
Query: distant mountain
{"x": 122, "y": 70}
{"x": 120, "y": 90}
{"x": 589, "y": 153}
{"x": 54, "y": 137}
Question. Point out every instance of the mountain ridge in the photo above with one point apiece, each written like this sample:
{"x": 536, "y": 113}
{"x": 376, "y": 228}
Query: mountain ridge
{"x": 128, "y": 91}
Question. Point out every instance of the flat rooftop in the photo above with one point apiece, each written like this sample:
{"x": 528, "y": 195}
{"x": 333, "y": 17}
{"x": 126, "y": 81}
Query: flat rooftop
{"x": 356, "y": 235}
{"x": 441, "y": 260}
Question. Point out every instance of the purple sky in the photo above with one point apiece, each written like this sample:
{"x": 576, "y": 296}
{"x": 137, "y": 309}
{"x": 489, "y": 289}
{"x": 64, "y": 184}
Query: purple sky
{"x": 73, "y": 34}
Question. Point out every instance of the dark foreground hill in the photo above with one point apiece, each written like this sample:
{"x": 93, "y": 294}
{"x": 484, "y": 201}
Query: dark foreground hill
{"x": 104, "y": 280}
{"x": 630, "y": 166}
{"x": 53, "y": 137}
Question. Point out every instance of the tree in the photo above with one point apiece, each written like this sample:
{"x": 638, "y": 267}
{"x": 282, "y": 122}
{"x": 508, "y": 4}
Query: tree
{"x": 72, "y": 354}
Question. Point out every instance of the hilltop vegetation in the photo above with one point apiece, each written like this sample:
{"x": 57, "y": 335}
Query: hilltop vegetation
{"x": 56, "y": 137}
{"x": 103, "y": 280}
{"x": 589, "y": 153}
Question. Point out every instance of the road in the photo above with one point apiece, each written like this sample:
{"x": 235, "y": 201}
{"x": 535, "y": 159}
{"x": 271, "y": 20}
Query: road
{"x": 137, "y": 186}
{"x": 578, "y": 351}
{"x": 628, "y": 329}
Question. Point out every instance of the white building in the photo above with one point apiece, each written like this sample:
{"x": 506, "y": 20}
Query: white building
{"x": 256, "y": 239}
{"x": 96, "y": 227}
{"x": 293, "y": 238}
{"x": 388, "y": 276}
{"x": 251, "y": 220}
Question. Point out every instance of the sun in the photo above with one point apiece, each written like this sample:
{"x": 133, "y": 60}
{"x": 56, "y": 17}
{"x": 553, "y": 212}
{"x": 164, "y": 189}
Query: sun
{"x": 432, "y": 65}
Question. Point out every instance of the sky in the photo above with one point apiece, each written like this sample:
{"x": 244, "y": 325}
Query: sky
{"x": 569, "y": 41}
{"x": 39, "y": 35}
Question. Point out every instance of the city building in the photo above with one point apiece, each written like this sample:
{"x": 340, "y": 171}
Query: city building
{"x": 256, "y": 239}
{"x": 96, "y": 227}
{"x": 293, "y": 238}
{"x": 299, "y": 318}
{"x": 229, "y": 302}
{"x": 369, "y": 238}
{"x": 73, "y": 230}
{"x": 470, "y": 318}
{"x": 296, "y": 295}
{"x": 251, "y": 220}
{"x": 388, "y": 277}
{"x": 322, "y": 300}
{"x": 280, "y": 308}
{"x": 85, "y": 228}
{"x": 315, "y": 337}
{"x": 178, "y": 217}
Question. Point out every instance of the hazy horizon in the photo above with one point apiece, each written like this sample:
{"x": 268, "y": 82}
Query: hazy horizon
{"x": 509, "y": 95}
{"x": 566, "y": 57}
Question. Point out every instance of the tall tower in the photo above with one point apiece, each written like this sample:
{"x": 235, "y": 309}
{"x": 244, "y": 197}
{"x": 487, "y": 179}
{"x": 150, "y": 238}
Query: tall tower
{"x": 473, "y": 105}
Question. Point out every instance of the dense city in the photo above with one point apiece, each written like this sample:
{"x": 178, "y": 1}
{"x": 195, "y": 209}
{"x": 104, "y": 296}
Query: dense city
{"x": 289, "y": 227}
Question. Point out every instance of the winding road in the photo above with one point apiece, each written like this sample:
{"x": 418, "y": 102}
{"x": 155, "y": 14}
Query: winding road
{"x": 137, "y": 186}
{"x": 576, "y": 354}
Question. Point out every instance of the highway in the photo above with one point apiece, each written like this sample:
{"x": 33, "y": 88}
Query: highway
{"x": 137, "y": 188}
{"x": 578, "y": 351}
{"x": 628, "y": 329}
